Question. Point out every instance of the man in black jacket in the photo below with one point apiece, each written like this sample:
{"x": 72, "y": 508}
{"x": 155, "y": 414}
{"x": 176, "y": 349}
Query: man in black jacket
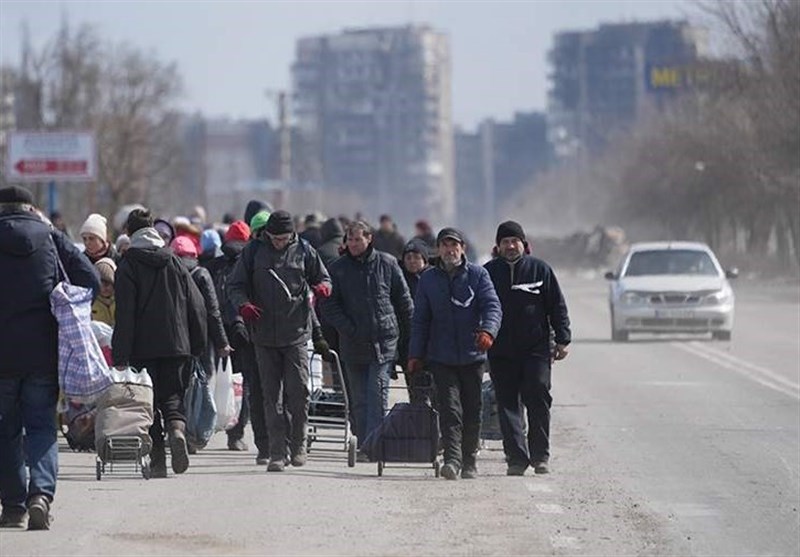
{"x": 369, "y": 306}
{"x": 270, "y": 288}
{"x": 388, "y": 239}
{"x": 161, "y": 324}
{"x": 521, "y": 356}
{"x": 29, "y": 252}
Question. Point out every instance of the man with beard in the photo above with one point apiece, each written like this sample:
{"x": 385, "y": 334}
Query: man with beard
{"x": 456, "y": 319}
{"x": 521, "y": 356}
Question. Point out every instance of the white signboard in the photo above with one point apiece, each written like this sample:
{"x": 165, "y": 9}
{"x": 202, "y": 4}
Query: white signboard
{"x": 61, "y": 156}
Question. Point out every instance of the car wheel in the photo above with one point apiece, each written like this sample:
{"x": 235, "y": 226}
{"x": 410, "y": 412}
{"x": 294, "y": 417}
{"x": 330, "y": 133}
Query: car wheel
{"x": 721, "y": 335}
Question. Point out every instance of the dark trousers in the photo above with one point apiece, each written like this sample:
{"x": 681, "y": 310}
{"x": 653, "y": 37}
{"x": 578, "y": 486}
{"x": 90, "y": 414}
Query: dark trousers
{"x": 244, "y": 362}
{"x": 524, "y": 381}
{"x": 284, "y": 377}
{"x": 169, "y": 377}
{"x": 458, "y": 390}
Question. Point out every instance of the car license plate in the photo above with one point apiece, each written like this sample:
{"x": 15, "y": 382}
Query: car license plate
{"x": 675, "y": 313}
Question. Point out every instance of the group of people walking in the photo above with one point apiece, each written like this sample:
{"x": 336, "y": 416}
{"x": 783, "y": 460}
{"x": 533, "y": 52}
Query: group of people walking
{"x": 262, "y": 292}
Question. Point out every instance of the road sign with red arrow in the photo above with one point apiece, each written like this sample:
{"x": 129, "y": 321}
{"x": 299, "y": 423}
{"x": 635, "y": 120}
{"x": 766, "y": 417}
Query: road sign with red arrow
{"x": 62, "y": 156}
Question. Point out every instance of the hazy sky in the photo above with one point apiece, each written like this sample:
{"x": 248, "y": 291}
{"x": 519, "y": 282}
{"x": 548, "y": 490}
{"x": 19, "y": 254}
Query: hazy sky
{"x": 230, "y": 52}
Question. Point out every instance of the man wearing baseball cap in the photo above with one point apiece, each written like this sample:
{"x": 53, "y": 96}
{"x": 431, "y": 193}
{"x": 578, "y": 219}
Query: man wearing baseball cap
{"x": 521, "y": 357}
{"x": 456, "y": 318}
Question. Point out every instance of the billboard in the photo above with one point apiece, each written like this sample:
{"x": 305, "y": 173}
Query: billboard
{"x": 60, "y": 156}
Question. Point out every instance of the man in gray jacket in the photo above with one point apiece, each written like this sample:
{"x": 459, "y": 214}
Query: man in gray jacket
{"x": 270, "y": 286}
{"x": 369, "y": 307}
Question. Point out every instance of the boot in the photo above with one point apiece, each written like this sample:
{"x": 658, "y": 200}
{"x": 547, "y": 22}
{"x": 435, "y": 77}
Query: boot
{"x": 178, "y": 447}
{"x": 158, "y": 462}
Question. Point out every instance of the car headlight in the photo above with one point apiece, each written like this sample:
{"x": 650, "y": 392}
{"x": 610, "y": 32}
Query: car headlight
{"x": 631, "y": 298}
{"x": 718, "y": 298}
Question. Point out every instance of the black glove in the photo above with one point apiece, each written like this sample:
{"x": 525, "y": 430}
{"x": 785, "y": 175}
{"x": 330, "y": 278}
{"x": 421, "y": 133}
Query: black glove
{"x": 321, "y": 347}
{"x": 240, "y": 336}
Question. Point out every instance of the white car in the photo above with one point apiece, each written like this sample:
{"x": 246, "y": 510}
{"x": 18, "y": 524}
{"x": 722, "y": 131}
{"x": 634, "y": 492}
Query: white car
{"x": 671, "y": 287}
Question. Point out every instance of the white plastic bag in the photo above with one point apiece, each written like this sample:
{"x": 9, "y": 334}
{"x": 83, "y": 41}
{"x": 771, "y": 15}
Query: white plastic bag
{"x": 225, "y": 396}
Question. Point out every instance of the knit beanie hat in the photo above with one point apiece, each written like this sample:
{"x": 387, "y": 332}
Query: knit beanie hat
{"x": 238, "y": 232}
{"x": 183, "y": 246}
{"x": 95, "y": 225}
{"x": 138, "y": 219}
{"x": 510, "y": 229}
{"x": 280, "y": 222}
{"x": 416, "y": 246}
{"x": 258, "y": 222}
{"x": 210, "y": 240}
{"x": 15, "y": 194}
{"x": 107, "y": 268}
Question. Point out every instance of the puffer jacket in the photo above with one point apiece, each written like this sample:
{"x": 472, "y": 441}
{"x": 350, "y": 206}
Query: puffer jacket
{"x": 160, "y": 311}
{"x": 369, "y": 306}
{"x": 449, "y": 310}
{"x": 28, "y": 273}
{"x": 532, "y": 304}
{"x": 278, "y": 283}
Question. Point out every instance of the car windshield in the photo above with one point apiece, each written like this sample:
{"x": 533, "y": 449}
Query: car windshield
{"x": 671, "y": 262}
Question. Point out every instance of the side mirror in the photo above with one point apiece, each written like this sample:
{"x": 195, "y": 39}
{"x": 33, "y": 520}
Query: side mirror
{"x": 610, "y": 275}
{"x": 732, "y": 273}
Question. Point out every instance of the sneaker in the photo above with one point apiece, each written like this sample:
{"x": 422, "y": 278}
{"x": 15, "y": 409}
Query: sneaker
{"x": 541, "y": 467}
{"x": 276, "y": 465}
{"x": 13, "y": 518}
{"x": 516, "y": 469}
{"x": 178, "y": 450}
{"x": 450, "y": 471}
{"x": 262, "y": 459}
{"x": 237, "y": 445}
{"x": 300, "y": 458}
{"x": 158, "y": 470}
{"x": 469, "y": 472}
{"x": 39, "y": 513}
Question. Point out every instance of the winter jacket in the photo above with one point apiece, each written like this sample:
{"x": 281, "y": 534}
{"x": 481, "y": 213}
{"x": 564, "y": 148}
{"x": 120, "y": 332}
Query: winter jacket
{"x": 313, "y": 236}
{"x": 405, "y": 335}
{"x": 104, "y": 310}
{"x": 369, "y": 306}
{"x": 110, "y": 252}
{"x": 389, "y": 242}
{"x": 28, "y": 273}
{"x": 332, "y": 240}
{"x": 160, "y": 310}
{"x": 449, "y": 311}
{"x": 221, "y": 270}
{"x": 278, "y": 283}
{"x": 202, "y": 278}
{"x": 532, "y": 305}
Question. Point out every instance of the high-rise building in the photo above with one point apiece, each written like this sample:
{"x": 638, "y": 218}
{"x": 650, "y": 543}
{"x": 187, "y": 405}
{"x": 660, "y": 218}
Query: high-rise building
{"x": 602, "y": 79}
{"x": 374, "y": 107}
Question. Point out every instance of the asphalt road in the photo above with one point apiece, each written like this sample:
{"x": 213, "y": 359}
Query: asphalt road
{"x": 661, "y": 446}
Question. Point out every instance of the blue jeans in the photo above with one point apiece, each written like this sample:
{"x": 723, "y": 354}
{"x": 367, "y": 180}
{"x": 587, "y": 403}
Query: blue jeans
{"x": 29, "y": 402}
{"x": 369, "y": 390}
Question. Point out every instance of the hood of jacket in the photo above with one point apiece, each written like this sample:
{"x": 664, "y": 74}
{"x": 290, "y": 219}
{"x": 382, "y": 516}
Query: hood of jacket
{"x": 232, "y": 250}
{"x": 21, "y": 234}
{"x": 190, "y": 262}
{"x": 331, "y": 229}
{"x": 147, "y": 248}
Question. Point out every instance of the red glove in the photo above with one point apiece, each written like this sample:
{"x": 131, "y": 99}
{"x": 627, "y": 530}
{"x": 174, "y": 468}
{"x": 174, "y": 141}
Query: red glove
{"x": 414, "y": 365}
{"x": 483, "y": 341}
{"x": 250, "y": 312}
{"x": 322, "y": 290}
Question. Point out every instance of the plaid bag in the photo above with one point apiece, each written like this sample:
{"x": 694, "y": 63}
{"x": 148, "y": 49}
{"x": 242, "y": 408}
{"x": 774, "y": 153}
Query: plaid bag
{"x": 82, "y": 370}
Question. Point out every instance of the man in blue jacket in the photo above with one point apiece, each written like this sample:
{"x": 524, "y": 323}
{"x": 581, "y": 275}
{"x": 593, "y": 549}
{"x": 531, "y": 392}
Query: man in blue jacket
{"x": 456, "y": 318}
{"x": 29, "y": 252}
{"x": 521, "y": 357}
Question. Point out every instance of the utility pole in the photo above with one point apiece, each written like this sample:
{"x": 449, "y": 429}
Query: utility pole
{"x": 284, "y": 133}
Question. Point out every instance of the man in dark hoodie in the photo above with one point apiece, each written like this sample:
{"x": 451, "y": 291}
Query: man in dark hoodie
{"x": 271, "y": 286}
{"x": 522, "y": 355}
{"x": 332, "y": 236}
{"x": 161, "y": 324}
{"x": 29, "y": 251}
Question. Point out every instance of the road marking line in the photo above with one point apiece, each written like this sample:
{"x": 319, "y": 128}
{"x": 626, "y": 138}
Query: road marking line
{"x": 564, "y": 542}
{"x": 549, "y": 508}
{"x": 738, "y": 368}
{"x": 744, "y": 363}
{"x": 535, "y": 487}
{"x": 673, "y": 383}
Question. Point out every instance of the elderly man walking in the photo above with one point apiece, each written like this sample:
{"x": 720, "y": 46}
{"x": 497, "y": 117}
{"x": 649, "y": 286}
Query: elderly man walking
{"x": 30, "y": 250}
{"x": 521, "y": 357}
{"x": 456, "y": 318}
